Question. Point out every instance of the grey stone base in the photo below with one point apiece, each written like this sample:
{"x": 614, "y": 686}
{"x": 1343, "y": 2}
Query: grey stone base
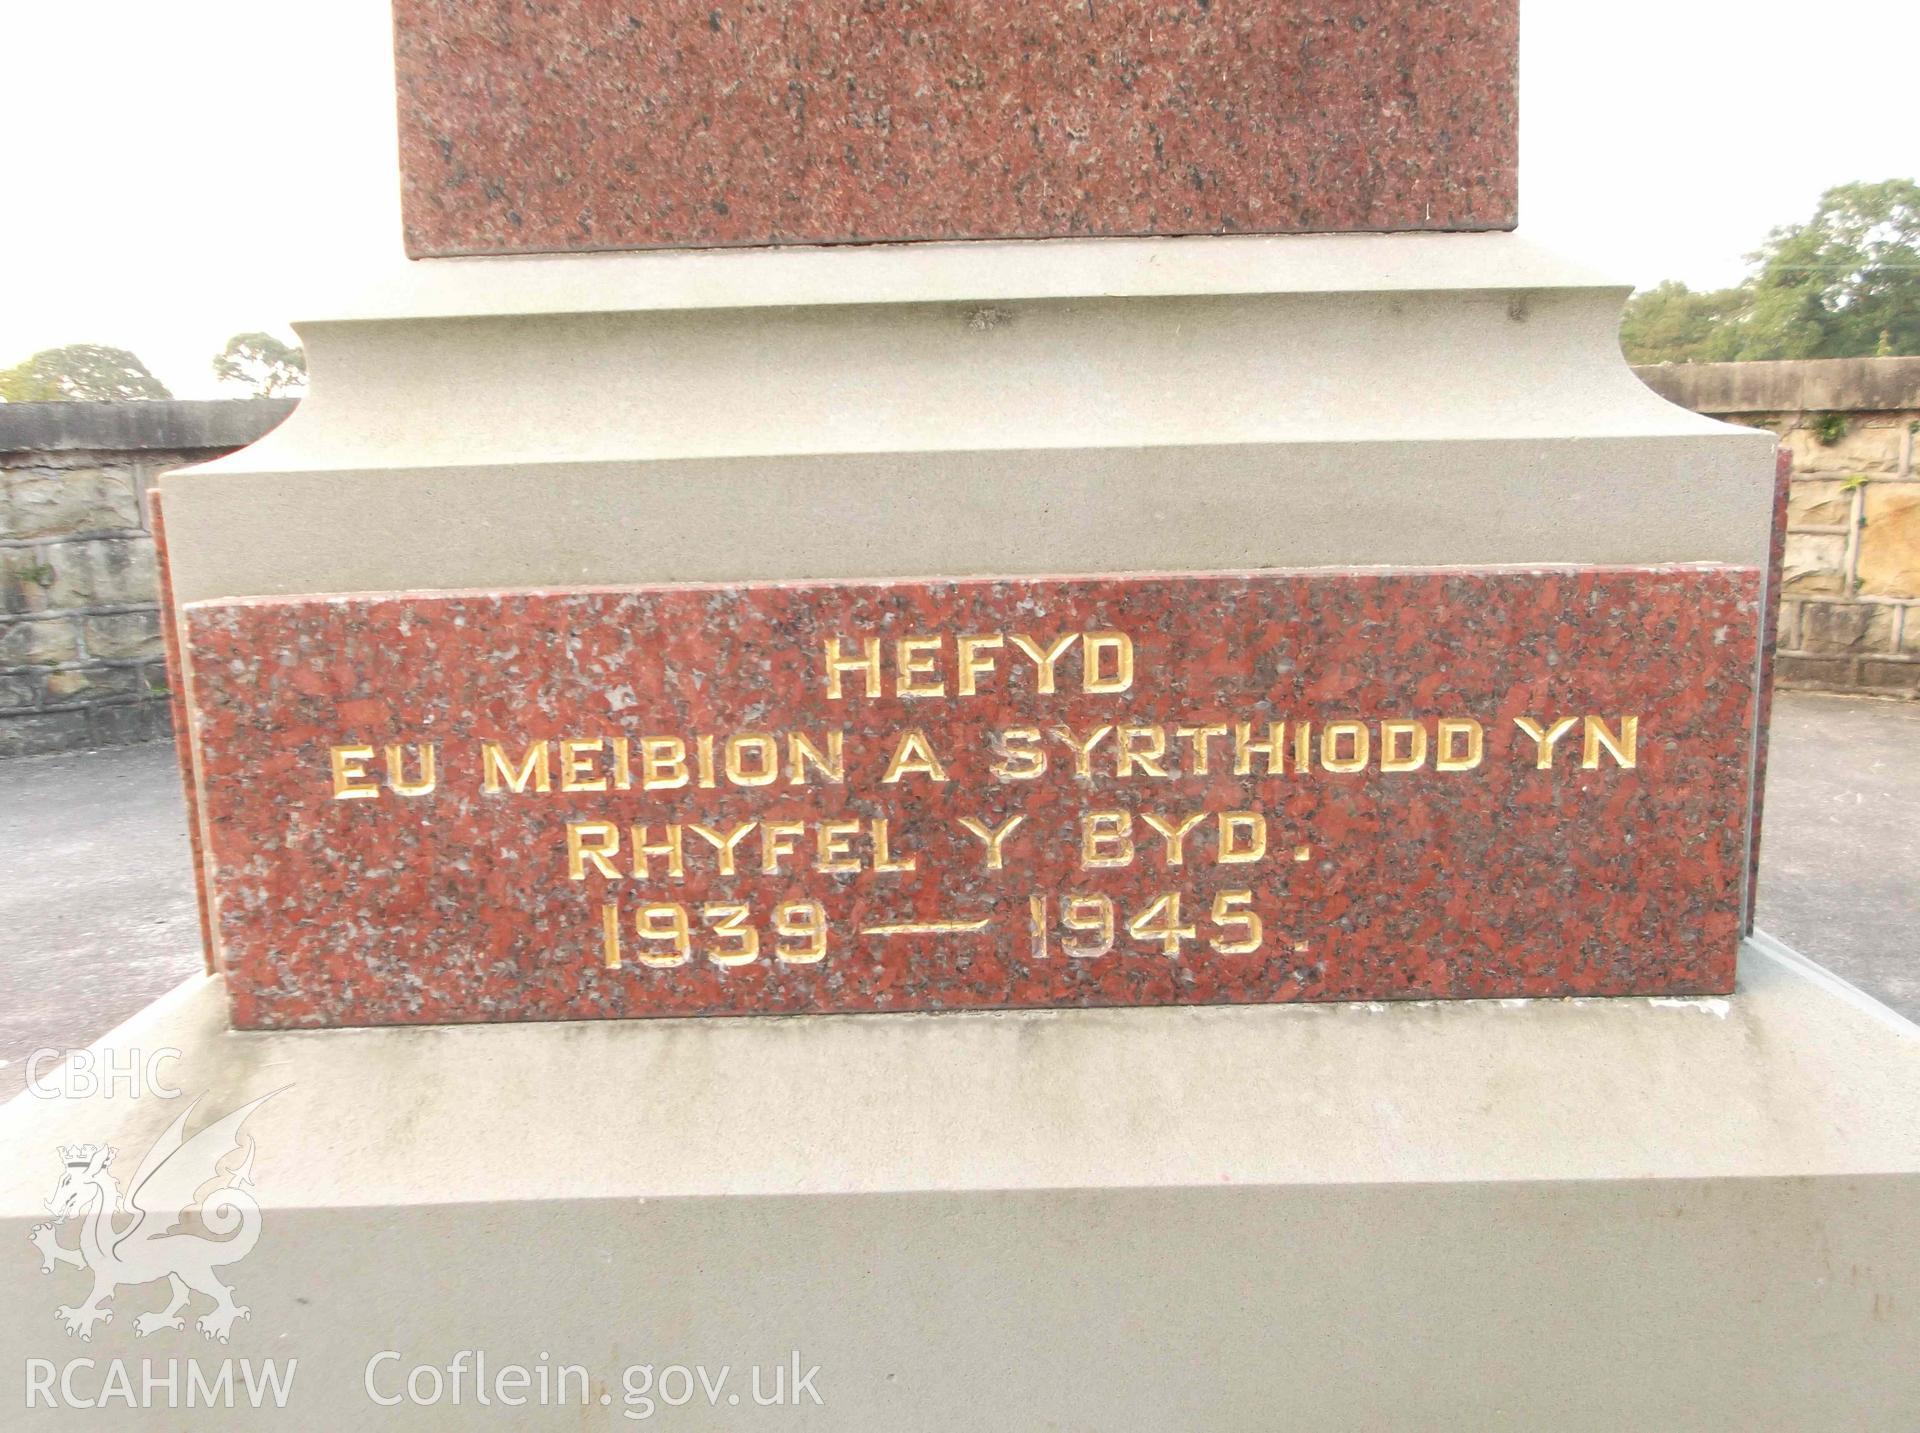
{"x": 1869, "y": 646}
{"x": 44, "y": 733}
{"x": 1577, "y": 1214}
{"x": 1856, "y": 676}
{"x": 81, "y": 661}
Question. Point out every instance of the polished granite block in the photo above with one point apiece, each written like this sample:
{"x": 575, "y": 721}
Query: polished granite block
{"x": 924, "y": 795}
{"x": 177, "y": 709}
{"x": 583, "y": 124}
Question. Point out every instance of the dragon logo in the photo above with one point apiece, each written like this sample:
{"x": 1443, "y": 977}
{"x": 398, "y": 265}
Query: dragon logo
{"x": 169, "y": 1204}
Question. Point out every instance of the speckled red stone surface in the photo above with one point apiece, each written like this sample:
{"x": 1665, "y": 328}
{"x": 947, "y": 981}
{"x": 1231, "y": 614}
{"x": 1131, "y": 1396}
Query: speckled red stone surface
{"x": 587, "y": 124}
{"x": 1770, "y": 635}
{"x": 1502, "y": 878}
{"x": 177, "y": 706}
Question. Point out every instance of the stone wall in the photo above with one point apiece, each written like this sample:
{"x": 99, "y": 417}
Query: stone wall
{"x": 80, "y": 655}
{"x": 1848, "y": 618}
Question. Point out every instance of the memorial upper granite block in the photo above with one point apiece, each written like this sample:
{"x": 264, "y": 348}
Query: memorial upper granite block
{"x": 586, "y": 124}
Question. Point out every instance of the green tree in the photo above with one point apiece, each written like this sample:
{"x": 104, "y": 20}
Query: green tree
{"x": 79, "y": 372}
{"x": 1845, "y": 284}
{"x": 1672, "y": 324}
{"x": 262, "y": 362}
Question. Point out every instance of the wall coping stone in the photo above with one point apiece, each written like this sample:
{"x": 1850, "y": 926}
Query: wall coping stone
{"x": 166, "y": 425}
{"x": 1812, "y": 385}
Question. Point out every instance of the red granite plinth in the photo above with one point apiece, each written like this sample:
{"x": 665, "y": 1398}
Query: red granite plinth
{"x": 1776, "y": 567}
{"x": 177, "y": 707}
{"x": 584, "y": 124}
{"x": 1074, "y": 792}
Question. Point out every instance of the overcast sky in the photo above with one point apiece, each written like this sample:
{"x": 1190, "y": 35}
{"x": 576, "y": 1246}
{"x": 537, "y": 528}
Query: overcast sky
{"x": 180, "y": 170}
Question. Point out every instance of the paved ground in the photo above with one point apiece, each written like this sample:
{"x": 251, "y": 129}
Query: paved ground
{"x": 97, "y": 916}
{"x": 1840, "y": 841}
{"x": 96, "y": 896}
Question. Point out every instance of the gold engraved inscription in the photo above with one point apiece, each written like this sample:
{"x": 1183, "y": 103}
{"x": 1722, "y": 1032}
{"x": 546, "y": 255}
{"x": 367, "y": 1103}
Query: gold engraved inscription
{"x": 1082, "y": 779}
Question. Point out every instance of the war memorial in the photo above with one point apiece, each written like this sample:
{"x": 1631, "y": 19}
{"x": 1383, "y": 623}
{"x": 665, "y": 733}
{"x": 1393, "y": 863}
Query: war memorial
{"x": 996, "y": 704}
